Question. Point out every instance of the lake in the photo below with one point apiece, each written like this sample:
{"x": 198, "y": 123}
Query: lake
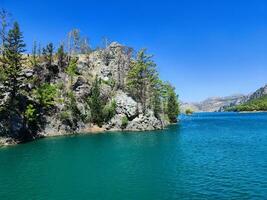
{"x": 206, "y": 156}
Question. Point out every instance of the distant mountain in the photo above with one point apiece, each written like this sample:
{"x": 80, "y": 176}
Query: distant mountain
{"x": 218, "y": 104}
{"x": 257, "y": 101}
{"x": 214, "y": 104}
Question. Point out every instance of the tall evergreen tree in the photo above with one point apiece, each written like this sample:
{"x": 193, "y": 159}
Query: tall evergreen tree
{"x": 96, "y": 104}
{"x": 12, "y": 60}
{"x": 141, "y": 77}
{"x": 172, "y": 105}
{"x": 48, "y": 54}
{"x": 61, "y": 57}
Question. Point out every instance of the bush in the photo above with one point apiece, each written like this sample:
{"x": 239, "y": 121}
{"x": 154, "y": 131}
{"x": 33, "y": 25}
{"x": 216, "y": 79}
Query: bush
{"x": 71, "y": 70}
{"x": 30, "y": 113}
{"x": 188, "y": 111}
{"x": 64, "y": 115}
{"x": 124, "y": 122}
{"x": 46, "y": 94}
{"x": 109, "y": 110}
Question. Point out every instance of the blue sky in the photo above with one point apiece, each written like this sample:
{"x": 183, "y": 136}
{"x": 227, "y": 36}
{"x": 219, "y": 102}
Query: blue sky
{"x": 204, "y": 47}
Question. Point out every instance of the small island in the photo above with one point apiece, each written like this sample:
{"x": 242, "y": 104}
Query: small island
{"x": 74, "y": 88}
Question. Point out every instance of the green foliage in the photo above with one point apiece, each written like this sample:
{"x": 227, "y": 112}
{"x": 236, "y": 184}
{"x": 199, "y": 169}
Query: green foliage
{"x": 259, "y": 104}
{"x": 46, "y": 94}
{"x": 109, "y": 110}
{"x": 64, "y": 115}
{"x": 12, "y": 59}
{"x": 172, "y": 106}
{"x": 48, "y": 54}
{"x": 124, "y": 122}
{"x": 71, "y": 70}
{"x": 30, "y": 113}
{"x": 142, "y": 77}
{"x": 110, "y": 82}
{"x": 96, "y": 103}
{"x": 61, "y": 57}
{"x": 72, "y": 105}
{"x": 188, "y": 111}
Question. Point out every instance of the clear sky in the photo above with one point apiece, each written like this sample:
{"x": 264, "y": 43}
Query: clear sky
{"x": 204, "y": 47}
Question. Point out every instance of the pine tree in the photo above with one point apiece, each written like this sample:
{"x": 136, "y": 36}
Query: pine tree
{"x": 172, "y": 106}
{"x": 12, "y": 60}
{"x": 141, "y": 78}
{"x": 61, "y": 57}
{"x": 34, "y": 58}
{"x": 96, "y": 104}
{"x": 48, "y": 54}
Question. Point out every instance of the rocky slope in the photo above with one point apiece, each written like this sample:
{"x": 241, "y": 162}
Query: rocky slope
{"x": 111, "y": 65}
{"x": 214, "y": 104}
{"x": 219, "y": 104}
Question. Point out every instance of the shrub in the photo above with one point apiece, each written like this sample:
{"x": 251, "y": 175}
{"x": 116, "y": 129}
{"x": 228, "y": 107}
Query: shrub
{"x": 64, "y": 115}
{"x": 46, "y": 94}
{"x": 188, "y": 111}
{"x": 109, "y": 110}
{"x": 124, "y": 122}
{"x": 30, "y": 113}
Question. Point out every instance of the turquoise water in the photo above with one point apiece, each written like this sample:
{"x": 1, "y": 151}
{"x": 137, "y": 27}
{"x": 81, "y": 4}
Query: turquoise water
{"x": 207, "y": 156}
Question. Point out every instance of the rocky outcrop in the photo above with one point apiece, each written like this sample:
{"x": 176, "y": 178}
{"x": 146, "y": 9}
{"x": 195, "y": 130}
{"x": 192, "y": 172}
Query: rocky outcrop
{"x": 258, "y": 93}
{"x": 111, "y": 65}
{"x": 145, "y": 122}
{"x": 126, "y": 105}
{"x": 136, "y": 120}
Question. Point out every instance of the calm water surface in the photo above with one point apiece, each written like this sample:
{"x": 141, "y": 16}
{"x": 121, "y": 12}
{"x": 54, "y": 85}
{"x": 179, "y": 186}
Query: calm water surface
{"x": 207, "y": 156}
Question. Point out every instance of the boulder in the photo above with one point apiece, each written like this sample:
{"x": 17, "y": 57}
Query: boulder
{"x": 115, "y": 123}
{"x": 145, "y": 122}
{"x": 126, "y": 105}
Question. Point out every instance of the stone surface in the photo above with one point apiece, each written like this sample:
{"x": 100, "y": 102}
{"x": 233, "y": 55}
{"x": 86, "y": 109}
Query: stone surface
{"x": 126, "y": 105}
{"x": 145, "y": 122}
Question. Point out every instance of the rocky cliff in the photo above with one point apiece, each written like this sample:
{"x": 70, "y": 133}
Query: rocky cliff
{"x": 111, "y": 66}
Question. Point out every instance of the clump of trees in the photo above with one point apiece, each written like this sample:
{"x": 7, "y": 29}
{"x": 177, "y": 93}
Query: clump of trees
{"x": 144, "y": 84}
{"x": 101, "y": 111}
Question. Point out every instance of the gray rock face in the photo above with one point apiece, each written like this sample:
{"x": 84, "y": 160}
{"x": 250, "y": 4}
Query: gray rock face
{"x": 115, "y": 123}
{"x": 259, "y": 93}
{"x": 126, "y": 105}
{"x": 145, "y": 122}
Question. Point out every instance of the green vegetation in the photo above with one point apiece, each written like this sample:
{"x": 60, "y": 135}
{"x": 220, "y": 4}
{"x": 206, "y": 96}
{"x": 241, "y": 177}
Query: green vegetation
{"x": 172, "y": 106}
{"x": 124, "y": 122}
{"x": 188, "y": 111}
{"x": 95, "y": 103}
{"x": 46, "y": 94}
{"x": 109, "y": 110}
{"x": 144, "y": 85}
{"x": 71, "y": 70}
{"x": 38, "y": 88}
{"x": 259, "y": 104}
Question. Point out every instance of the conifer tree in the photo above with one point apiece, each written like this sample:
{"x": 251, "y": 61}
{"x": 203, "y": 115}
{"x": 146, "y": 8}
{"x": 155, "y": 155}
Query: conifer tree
{"x": 141, "y": 78}
{"x": 48, "y": 54}
{"x": 96, "y": 104}
{"x": 172, "y": 106}
{"x": 12, "y": 60}
{"x": 61, "y": 57}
